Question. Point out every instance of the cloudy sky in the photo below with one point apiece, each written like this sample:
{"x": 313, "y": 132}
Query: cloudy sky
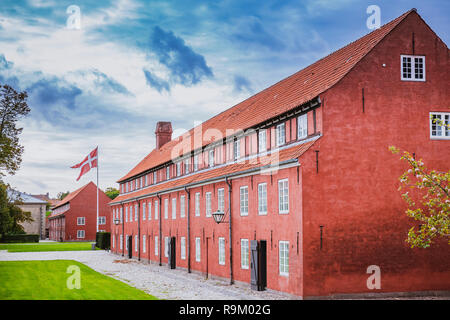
{"x": 134, "y": 62}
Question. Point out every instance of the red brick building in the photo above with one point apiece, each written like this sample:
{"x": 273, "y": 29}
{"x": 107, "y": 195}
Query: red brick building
{"x": 303, "y": 174}
{"x": 74, "y": 217}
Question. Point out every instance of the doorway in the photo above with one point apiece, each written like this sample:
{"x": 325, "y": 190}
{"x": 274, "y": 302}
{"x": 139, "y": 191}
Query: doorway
{"x": 130, "y": 247}
{"x": 258, "y": 264}
{"x": 172, "y": 253}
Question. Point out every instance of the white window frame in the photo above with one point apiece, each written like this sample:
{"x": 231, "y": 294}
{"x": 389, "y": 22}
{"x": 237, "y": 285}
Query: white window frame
{"x": 244, "y": 254}
{"x": 149, "y": 210}
{"x": 168, "y": 173}
{"x": 445, "y": 131}
{"x": 121, "y": 242}
{"x": 166, "y": 208}
{"x": 221, "y": 250}
{"x": 155, "y": 177}
{"x": 183, "y": 248}
{"x": 283, "y": 196}
{"x": 197, "y": 204}
{"x": 81, "y": 221}
{"x": 186, "y": 166}
{"x": 262, "y": 199}
{"x": 174, "y": 208}
{"x": 182, "y": 206}
{"x": 101, "y": 220}
{"x": 262, "y": 143}
{"x": 156, "y": 210}
{"x": 136, "y": 243}
{"x": 144, "y": 247}
{"x": 131, "y": 213}
{"x": 178, "y": 169}
{"x": 166, "y": 247}
{"x": 243, "y": 200}
{"x": 197, "y": 249}
{"x": 196, "y": 162}
{"x": 156, "y": 246}
{"x": 221, "y": 199}
{"x": 143, "y": 211}
{"x": 413, "y": 68}
{"x": 136, "y": 209}
{"x": 237, "y": 149}
{"x": 302, "y": 126}
{"x": 208, "y": 202}
{"x": 280, "y": 134}
{"x": 211, "y": 157}
{"x": 283, "y": 258}
{"x": 80, "y": 234}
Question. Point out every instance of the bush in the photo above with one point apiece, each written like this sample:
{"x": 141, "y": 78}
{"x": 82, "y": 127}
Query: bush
{"x": 20, "y": 238}
{"x": 103, "y": 240}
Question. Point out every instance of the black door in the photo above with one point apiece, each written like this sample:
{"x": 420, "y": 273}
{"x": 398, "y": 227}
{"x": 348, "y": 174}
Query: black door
{"x": 254, "y": 264}
{"x": 258, "y": 264}
{"x": 130, "y": 247}
{"x": 172, "y": 253}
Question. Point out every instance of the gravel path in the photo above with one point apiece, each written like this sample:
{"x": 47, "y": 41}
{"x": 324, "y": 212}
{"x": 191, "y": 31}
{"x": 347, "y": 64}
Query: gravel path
{"x": 158, "y": 281}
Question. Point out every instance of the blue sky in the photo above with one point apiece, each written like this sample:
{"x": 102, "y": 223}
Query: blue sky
{"x": 133, "y": 63}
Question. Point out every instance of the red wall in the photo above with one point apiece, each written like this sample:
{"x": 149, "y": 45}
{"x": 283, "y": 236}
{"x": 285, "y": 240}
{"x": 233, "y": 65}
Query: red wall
{"x": 355, "y": 195}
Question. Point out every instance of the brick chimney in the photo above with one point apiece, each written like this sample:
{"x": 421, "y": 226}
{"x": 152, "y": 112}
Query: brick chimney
{"x": 163, "y": 133}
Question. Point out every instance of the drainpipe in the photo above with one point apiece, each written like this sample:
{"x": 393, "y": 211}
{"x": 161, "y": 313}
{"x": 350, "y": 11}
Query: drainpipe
{"x": 230, "y": 234}
{"x": 160, "y": 229}
{"x": 123, "y": 231}
{"x": 188, "y": 228}
{"x": 139, "y": 230}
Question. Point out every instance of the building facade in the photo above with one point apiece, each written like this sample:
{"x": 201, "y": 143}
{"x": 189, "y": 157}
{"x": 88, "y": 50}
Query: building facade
{"x": 302, "y": 175}
{"x": 74, "y": 217}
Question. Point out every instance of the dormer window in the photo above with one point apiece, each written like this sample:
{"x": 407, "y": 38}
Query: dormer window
{"x": 154, "y": 177}
{"x": 195, "y": 162}
{"x": 186, "y": 166}
{"x": 168, "y": 172}
{"x": 237, "y": 149}
{"x": 262, "y": 143}
{"x": 281, "y": 134}
{"x": 302, "y": 126}
{"x": 178, "y": 169}
{"x": 412, "y": 68}
{"x": 211, "y": 158}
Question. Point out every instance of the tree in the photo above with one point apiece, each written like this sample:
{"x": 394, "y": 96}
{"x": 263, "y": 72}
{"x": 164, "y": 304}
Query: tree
{"x": 13, "y": 107}
{"x": 62, "y": 195}
{"x": 11, "y": 216}
{"x": 5, "y": 219}
{"x": 432, "y": 188}
{"x": 112, "y": 193}
{"x": 18, "y": 217}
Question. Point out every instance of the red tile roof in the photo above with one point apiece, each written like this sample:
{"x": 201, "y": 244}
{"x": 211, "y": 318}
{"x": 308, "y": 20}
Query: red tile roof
{"x": 271, "y": 159}
{"x": 71, "y": 195}
{"x": 281, "y": 97}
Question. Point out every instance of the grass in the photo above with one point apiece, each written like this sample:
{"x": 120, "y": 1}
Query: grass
{"x": 46, "y": 246}
{"x": 47, "y": 280}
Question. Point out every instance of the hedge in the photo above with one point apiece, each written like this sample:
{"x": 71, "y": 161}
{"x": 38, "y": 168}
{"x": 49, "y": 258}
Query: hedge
{"x": 19, "y": 238}
{"x": 103, "y": 240}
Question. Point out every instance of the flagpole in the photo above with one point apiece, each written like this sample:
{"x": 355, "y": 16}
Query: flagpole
{"x": 97, "y": 184}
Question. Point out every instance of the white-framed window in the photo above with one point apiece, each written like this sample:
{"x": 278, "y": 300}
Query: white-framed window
{"x": 182, "y": 206}
{"x": 149, "y": 210}
{"x": 166, "y": 246}
{"x": 211, "y": 158}
{"x": 197, "y": 204}
{"x": 154, "y": 177}
{"x": 81, "y": 221}
{"x": 440, "y": 129}
{"x": 262, "y": 198}
{"x": 131, "y": 213}
{"x": 80, "y": 234}
{"x": 136, "y": 212}
{"x": 136, "y": 247}
{"x": 156, "y": 210}
{"x": 183, "y": 248}
{"x": 244, "y": 254}
{"x": 101, "y": 220}
{"x": 208, "y": 204}
{"x": 126, "y": 242}
{"x": 221, "y": 200}
{"x": 302, "y": 126}
{"x": 412, "y": 68}
{"x": 174, "y": 208}
{"x": 281, "y": 134}
{"x": 196, "y": 162}
{"x": 237, "y": 149}
{"x": 243, "y": 192}
{"x": 126, "y": 186}
{"x": 121, "y": 215}
{"x": 178, "y": 169}
{"x": 121, "y": 242}
{"x": 283, "y": 196}
{"x": 262, "y": 140}
{"x": 144, "y": 211}
{"x": 146, "y": 180}
{"x": 186, "y": 166}
{"x": 283, "y": 257}
{"x": 144, "y": 243}
{"x": 156, "y": 245}
{"x": 166, "y": 208}
{"x": 197, "y": 249}
{"x": 221, "y": 250}
{"x": 168, "y": 173}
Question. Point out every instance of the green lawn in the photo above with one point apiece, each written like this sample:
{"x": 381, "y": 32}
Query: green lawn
{"x": 47, "y": 280}
{"x": 46, "y": 246}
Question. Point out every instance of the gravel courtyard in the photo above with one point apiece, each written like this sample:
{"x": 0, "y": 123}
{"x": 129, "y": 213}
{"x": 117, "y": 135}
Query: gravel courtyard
{"x": 156, "y": 280}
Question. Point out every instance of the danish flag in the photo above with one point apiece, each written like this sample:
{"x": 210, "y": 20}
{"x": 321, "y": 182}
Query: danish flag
{"x": 89, "y": 162}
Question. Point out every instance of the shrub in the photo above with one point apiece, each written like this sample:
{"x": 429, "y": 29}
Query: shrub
{"x": 20, "y": 238}
{"x": 103, "y": 240}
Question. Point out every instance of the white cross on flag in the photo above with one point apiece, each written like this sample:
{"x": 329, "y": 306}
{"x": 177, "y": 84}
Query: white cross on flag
{"x": 89, "y": 162}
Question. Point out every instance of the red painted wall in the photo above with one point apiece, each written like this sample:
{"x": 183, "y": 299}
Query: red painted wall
{"x": 355, "y": 195}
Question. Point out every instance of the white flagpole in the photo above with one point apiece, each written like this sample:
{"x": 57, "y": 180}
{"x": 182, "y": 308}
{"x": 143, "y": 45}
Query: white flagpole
{"x": 97, "y": 184}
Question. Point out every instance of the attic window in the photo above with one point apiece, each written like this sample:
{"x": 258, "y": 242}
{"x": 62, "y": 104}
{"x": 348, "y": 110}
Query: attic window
{"x": 412, "y": 68}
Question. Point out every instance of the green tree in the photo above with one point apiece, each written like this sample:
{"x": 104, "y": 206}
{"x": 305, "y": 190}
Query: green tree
{"x": 13, "y": 107}
{"x": 18, "y": 217}
{"x": 430, "y": 189}
{"x": 62, "y": 195}
{"x": 5, "y": 219}
{"x": 112, "y": 193}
